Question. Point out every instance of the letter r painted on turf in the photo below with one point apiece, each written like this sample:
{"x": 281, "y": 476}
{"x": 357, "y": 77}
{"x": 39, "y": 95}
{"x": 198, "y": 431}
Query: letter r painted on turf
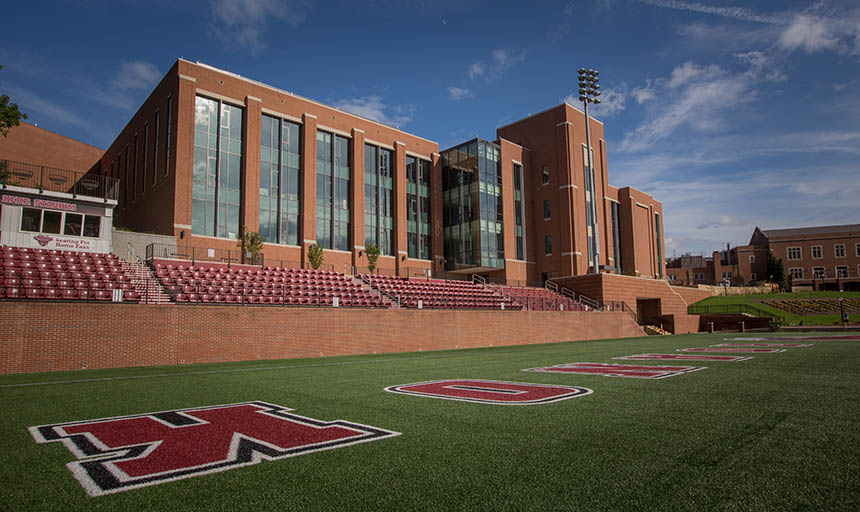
{"x": 133, "y": 451}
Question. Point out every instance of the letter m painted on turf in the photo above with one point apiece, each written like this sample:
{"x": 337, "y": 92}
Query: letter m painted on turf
{"x": 118, "y": 454}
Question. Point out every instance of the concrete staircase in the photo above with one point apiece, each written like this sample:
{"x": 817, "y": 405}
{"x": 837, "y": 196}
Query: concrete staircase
{"x": 145, "y": 283}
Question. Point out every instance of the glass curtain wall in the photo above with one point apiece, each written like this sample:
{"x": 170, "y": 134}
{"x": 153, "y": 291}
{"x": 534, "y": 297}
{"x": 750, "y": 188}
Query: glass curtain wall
{"x": 378, "y": 185}
{"x": 418, "y": 208}
{"x": 217, "y": 168}
{"x": 472, "y": 206}
{"x": 280, "y": 163}
{"x": 333, "y": 191}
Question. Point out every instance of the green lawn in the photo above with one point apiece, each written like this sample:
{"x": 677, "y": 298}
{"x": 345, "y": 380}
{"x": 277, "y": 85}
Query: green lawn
{"x": 786, "y": 316}
{"x": 776, "y": 432}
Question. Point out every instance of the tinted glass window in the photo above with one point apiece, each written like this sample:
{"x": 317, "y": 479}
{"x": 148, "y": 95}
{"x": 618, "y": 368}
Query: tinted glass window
{"x": 51, "y": 222}
{"x": 73, "y": 224}
{"x": 92, "y": 224}
{"x": 31, "y": 220}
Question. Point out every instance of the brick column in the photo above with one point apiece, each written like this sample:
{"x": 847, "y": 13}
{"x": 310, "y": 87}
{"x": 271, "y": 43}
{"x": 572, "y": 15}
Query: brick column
{"x": 400, "y": 249}
{"x": 250, "y": 214}
{"x": 183, "y": 154}
{"x": 308, "y": 232}
{"x": 356, "y": 215}
{"x": 437, "y": 240}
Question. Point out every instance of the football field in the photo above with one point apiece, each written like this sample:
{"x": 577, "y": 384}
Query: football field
{"x": 743, "y": 424}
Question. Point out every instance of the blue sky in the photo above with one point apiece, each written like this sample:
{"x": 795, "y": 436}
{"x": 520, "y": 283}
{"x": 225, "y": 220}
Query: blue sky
{"x": 733, "y": 114}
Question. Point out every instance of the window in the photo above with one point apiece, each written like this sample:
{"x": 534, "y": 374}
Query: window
{"x": 417, "y": 206}
{"x": 616, "y": 236}
{"x": 842, "y": 271}
{"x": 794, "y": 253}
{"x": 795, "y": 273}
{"x": 333, "y": 206}
{"x": 73, "y": 224}
{"x": 145, "y": 157}
{"x": 31, "y": 220}
{"x": 280, "y": 163}
{"x": 753, "y": 277}
{"x": 92, "y": 225}
{"x": 818, "y": 272}
{"x": 51, "y": 222}
{"x": 726, "y": 275}
{"x": 518, "y": 212}
{"x": 216, "y": 189}
{"x": 839, "y": 250}
{"x": 816, "y": 252}
{"x": 857, "y": 249}
{"x": 134, "y": 172}
{"x": 547, "y": 242}
{"x": 752, "y": 258}
{"x": 546, "y": 210}
{"x": 544, "y": 175}
{"x": 167, "y": 138}
{"x": 155, "y": 148}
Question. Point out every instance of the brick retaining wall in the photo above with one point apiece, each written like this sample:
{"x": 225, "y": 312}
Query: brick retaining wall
{"x": 46, "y": 336}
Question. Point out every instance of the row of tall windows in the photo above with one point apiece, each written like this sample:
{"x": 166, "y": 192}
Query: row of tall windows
{"x": 134, "y": 176}
{"x": 332, "y": 191}
{"x": 215, "y": 196}
{"x": 418, "y": 208}
{"x": 378, "y": 184}
{"x": 280, "y": 171}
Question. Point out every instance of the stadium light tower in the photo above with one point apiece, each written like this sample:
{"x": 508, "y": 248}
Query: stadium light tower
{"x": 589, "y": 92}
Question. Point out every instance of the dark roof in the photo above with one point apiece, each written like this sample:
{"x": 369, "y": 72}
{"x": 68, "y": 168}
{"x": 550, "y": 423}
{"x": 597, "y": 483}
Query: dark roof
{"x": 819, "y": 230}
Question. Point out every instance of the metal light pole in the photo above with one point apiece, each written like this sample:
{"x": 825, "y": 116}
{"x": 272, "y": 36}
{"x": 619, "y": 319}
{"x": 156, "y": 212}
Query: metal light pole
{"x": 589, "y": 92}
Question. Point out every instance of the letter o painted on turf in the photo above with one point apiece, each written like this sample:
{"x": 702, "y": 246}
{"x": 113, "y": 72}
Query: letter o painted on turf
{"x": 490, "y": 391}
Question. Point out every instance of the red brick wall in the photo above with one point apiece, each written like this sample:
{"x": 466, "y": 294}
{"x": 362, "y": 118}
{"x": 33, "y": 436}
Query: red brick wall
{"x": 65, "y": 336}
{"x": 33, "y": 145}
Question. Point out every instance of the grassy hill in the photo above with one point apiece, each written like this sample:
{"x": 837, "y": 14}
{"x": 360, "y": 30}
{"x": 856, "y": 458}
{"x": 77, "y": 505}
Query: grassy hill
{"x": 752, "y": 304}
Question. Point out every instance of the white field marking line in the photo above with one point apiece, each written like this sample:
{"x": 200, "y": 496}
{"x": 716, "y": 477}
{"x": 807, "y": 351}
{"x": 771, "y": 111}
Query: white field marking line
{"x": 210, "y": 372}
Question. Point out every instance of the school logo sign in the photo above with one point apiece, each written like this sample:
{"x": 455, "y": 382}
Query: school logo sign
{"x": 127, "y": 452}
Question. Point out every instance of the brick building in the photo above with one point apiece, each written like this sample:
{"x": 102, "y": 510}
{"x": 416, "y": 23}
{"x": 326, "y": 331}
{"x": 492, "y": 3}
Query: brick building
{"x": 819, "y": 258}
{"x": 210, "y": 153}
{"x": 814, "y": 258}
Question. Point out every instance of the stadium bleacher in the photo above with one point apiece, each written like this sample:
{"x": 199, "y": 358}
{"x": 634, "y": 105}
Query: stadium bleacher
{"x": 541, "y": 299}
{"x": 440, "y": 293}
{"x": 219, "y": 283}
{"x": 64, "y": 275}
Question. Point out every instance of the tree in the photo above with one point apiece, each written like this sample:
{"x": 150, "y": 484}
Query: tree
{"x": 251, "y": 246}
{"x": 9, "y": 114}
{"x": 315, "y": 256}
{"x": 372, "y": 255}
{"x": 775, "y": 270}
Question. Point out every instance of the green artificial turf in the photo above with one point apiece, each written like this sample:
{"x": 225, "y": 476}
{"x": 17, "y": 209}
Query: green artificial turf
{"x": 776, "y": 432}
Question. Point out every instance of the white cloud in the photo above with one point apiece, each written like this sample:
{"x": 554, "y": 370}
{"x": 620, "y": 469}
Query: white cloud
{"x": 696, "y": 96}
{"x": 372, "y": 107}
{"x": 809, "y": 33}
{"x": 500, "y": 61}
{"x": 32, "y": 103}
{"x": 738, "y": 13}
{"x": 138, "y": 74}
{"x": 643, "y": 94}
{"x": 244, "y": 22}
{"x": 457, "y": 94}
{"x": 612, "y": 101}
